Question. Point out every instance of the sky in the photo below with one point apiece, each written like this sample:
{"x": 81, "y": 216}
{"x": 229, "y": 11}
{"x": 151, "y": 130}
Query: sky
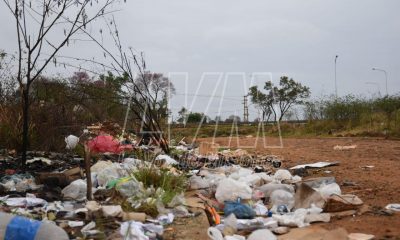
{"x": 221, "y": 47}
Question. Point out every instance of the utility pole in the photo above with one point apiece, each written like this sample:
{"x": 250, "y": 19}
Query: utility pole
{"x": 245, "y": 109}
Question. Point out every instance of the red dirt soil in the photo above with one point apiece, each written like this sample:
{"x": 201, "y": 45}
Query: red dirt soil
{"x": 377, "y": 186}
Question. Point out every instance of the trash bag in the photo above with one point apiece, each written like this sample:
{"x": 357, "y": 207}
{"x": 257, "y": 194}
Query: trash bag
{"x": 71, "y": 142}
{"x": 230, "y": 190}
{"x": 262, "y": 234}
{"x": 198, "y": 182}
{"x": 108, "y": 174}
{"x": 104, "y": 143}
{"x": 168, "y": 160}
{"x": 326, "y": 190}
{"x": 251, "y": 180}
{"x": 75, "y": 190}
{"x": 268, "y": 188}
{"x": 241, "y": 211}
{"x": 281, "y": 198}
{"x": 129, "y": 187}
{"x": 282, "y": 175}
{"x": 241, "y": 172}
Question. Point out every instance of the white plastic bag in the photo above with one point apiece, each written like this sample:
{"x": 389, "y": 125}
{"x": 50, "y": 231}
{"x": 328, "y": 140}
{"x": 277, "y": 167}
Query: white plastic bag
{"x": 282, "y": 175}
{"x": 71, "y": 142}
{"x": 110, "y": 173}
{"x": 281, "y": 197}
{"x": 267, "y": 189}
{"x": 262, "y": 234}
{"x": 75, "y": 190}
{"x": 168, "y": 160}
{"x": 329, "y": 189}
{"x": 229, "y": 190}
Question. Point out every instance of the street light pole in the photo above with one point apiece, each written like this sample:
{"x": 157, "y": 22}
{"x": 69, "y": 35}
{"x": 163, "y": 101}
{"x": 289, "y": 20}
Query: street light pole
{"x": 381, "y": 70}
{"x": 335, "y": 77}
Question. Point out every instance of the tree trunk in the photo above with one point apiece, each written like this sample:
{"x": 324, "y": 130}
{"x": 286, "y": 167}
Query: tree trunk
{"x": 88, "y": 174}
{"x": 25, "y": 127}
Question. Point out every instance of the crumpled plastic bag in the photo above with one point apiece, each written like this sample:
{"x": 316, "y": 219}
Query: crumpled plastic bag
{"x": 29, "y": 201}
{"x": 268, "y": 188}
{"x": 106, "y": 143}
{"x": 112, "y": 172}
{"x": 241, "y": 211}
{"x": 282, "y": 175}
{"x": 168, "y": 160}
{"x": 129, "y": 187}
{"x": 133, "y": 230}
{"x": 240, "y": 173}
{"x": 75, "y": 190}
{"x": 281, "y": 197}
{"x": 71, "y": 142}
{"x": 326, "y": 190}
{"x": 230, "y": 190}
{"x": 298, "y": 218}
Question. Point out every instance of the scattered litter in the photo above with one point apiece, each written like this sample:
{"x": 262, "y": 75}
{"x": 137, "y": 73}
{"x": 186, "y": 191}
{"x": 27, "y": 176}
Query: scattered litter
{"x": 75, "y": 223}
{"x": 360, "y": 236}
{"x": 367, "y": 167}
{"x": 341, "y": 148}
{"x": 39, "y": 159}
{"x": 23, "y": 201}
{"x": 394, "y": 207}
{"x": 316, "y": 165}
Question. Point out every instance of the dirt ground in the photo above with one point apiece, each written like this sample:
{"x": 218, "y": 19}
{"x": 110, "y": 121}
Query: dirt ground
{"x": 377, "y": 186}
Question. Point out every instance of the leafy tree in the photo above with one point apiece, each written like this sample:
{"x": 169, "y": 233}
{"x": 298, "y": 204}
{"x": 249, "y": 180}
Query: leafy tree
{"x": 284, "y": 96}
{"x": 233, "y": 119}
{"x": 183, "y": 113}
{"x": 195, "y": 117}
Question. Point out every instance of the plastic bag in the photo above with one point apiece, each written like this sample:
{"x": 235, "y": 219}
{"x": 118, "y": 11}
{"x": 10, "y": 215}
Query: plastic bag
{"x": 267, "y": 189}
{"x": 108, "y": 174}
{"x": 327, "y": 190}
{"x": 71, "y": 142}
{"x": 105, "y": 143}
{"x": 262, "y": 234}
{"x": 241, "y": 172}
{"x": 240, "y": 210}
{"x": 282, "y": 175}
{"x": 251, "y": 180}
{"x": 75, "y": 190}
{"x": 168, "y": 160}
{"x": 260, "y": 209}
{"x": 230, "y": 225}
{"x": 230, "y": 190}
{"x": 281, "y": 197}
{"x": 129, "y": 187}
{"x": 197, "y": 182}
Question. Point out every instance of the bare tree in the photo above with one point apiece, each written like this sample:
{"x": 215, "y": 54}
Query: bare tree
{"x": 43, "y": 28}
{"x": 148, "y": 92}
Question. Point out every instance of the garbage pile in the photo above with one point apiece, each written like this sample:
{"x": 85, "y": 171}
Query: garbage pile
{"x": 138, "y": 197}
{"x": 133, "y": 199}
